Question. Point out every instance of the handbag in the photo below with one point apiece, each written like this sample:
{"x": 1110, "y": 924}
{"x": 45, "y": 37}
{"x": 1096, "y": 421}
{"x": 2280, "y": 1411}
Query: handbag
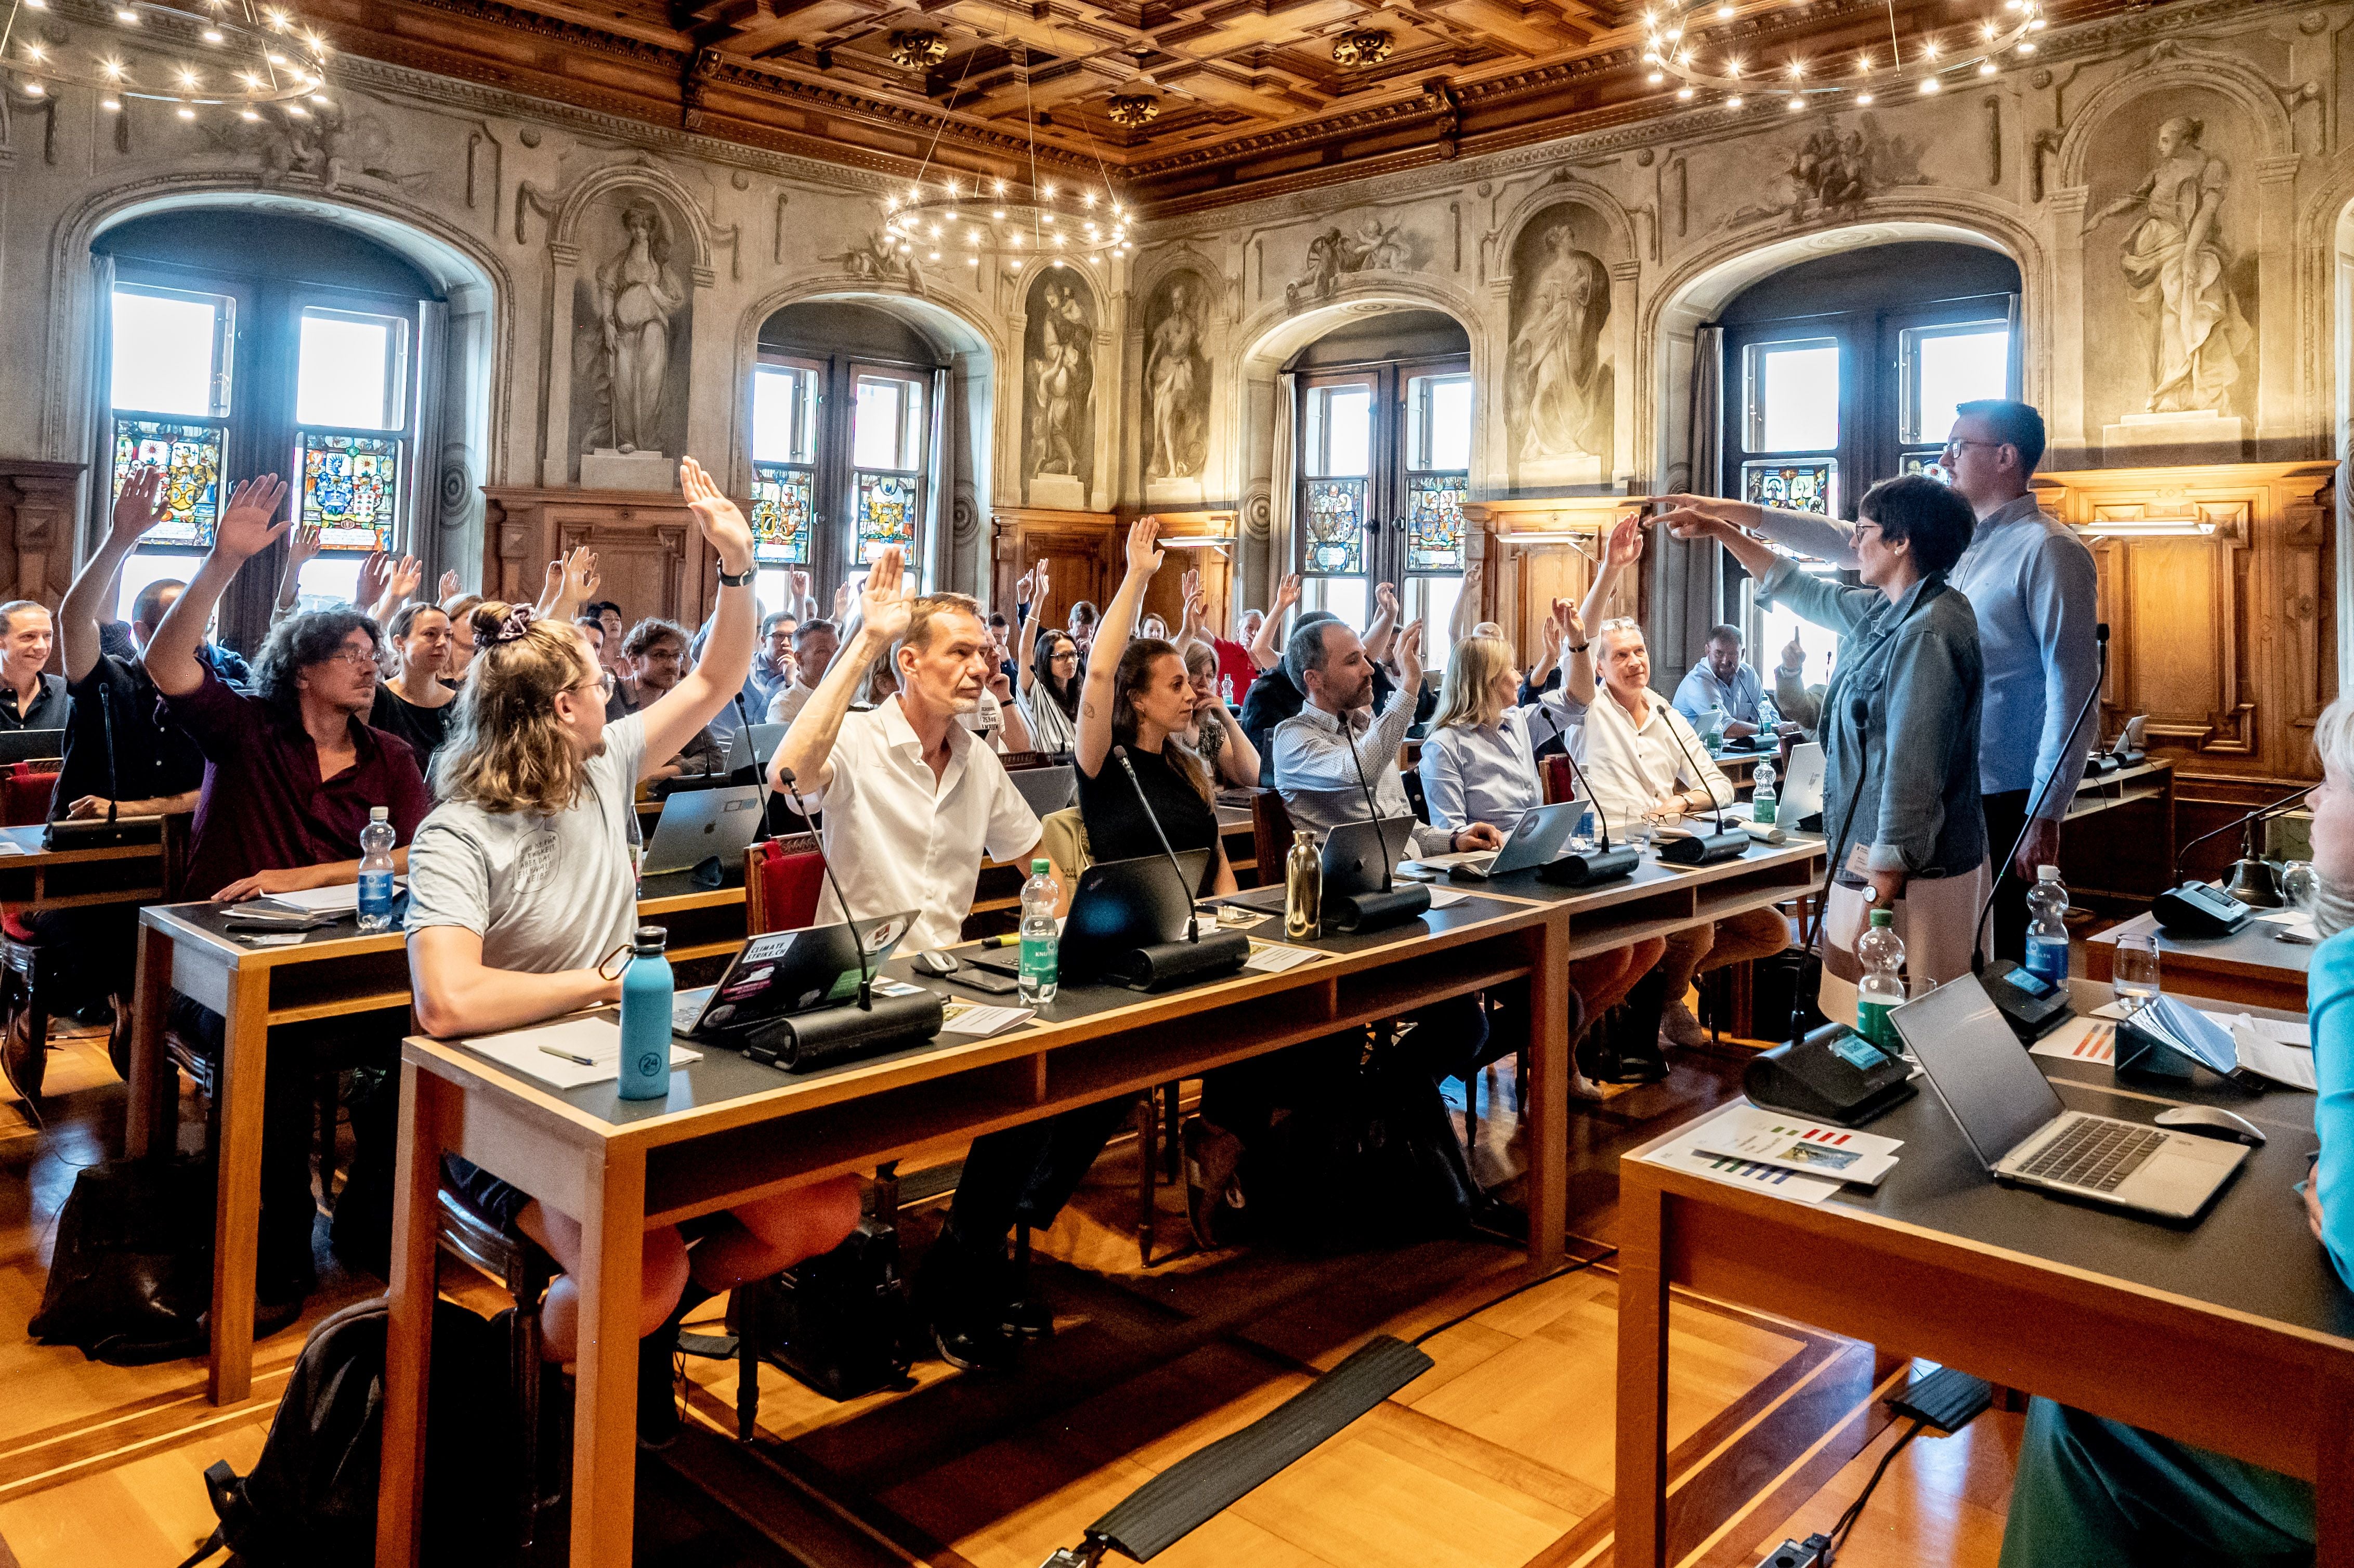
{"x": 132, "y": 1273}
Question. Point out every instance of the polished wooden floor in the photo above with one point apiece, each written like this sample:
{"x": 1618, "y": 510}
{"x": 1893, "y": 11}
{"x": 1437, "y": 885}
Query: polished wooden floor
{"x": 1500, "y": 1455}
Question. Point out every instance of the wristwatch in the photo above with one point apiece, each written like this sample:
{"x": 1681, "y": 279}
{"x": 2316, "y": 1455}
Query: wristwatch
{"x": 738, "y": 580}
{"x": 1581, "y": 648}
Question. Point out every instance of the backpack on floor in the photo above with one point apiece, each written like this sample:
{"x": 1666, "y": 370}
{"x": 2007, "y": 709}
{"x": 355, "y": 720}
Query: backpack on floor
{"x": 132, "y": 1273}
{"x": 310, "y": 1497}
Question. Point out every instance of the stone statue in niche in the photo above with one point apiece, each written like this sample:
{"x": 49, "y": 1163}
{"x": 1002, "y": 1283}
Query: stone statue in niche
{"x": 1176, "y": 379}
{"x": 1058, "y": 366}
{"x": 2178, "y": 269}
{"x": 638, "y": 293}
{"x": 1376, "y": 247}
{"x": 1561, "y": 389}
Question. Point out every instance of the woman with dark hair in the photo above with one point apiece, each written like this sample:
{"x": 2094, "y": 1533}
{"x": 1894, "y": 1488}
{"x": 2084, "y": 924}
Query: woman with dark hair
{"x": 1049, "y": 687}
{"x": 414, "y": 704}
{"x": 1900, "y": 728}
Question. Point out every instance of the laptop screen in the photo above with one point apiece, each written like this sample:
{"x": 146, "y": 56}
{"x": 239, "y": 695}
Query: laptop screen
{"x": 1978, "y": 1067}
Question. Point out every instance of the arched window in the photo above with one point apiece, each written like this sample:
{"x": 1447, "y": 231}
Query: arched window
{"x": 244, "y": 343}
{"x": 1384, "y": 426}
{"x": 845, "y": 427}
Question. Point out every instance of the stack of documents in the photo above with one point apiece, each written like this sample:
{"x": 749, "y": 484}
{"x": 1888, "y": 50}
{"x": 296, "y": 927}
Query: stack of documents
{"x": 1787, "y": 1156}
{"x": 567, "y": 1053}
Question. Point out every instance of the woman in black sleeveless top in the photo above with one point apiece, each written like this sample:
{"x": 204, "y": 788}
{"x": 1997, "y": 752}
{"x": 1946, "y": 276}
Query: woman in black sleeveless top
{"x": 1136, "y": 696}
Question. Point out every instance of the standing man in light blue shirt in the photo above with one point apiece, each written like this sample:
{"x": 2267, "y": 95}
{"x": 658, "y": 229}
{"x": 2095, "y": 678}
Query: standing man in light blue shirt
{"x": 1720, "y": 680}
{"x": 2033, "y": 584}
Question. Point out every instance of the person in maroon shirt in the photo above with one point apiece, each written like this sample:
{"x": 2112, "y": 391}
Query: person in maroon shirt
{"x": 291, "y": 773}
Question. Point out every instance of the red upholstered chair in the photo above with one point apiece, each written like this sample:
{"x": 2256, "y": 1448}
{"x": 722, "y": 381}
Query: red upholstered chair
{"x": 781, "y": 879}
{"x": 25, "y": 791}
{"x": 1559, "y": 782}
{"x": 25, "y": 962}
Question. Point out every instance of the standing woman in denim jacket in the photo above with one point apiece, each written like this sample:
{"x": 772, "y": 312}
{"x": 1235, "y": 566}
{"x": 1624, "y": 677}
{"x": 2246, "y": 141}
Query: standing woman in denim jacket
{"x": 1900, "y": 725}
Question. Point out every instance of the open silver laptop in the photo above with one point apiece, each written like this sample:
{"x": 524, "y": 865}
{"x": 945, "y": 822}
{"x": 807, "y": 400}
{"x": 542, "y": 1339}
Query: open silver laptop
{"x": 1046, "y": 788}
{"x": 700, "y": 823}
{"x": 1536, "y": 841}
{"x": 1799, "y": 793}
{"x": 2022, "y": 1134}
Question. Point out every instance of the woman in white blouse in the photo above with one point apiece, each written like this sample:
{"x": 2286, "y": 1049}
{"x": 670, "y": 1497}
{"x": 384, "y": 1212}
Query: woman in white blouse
{"x": 1479, "y": 765}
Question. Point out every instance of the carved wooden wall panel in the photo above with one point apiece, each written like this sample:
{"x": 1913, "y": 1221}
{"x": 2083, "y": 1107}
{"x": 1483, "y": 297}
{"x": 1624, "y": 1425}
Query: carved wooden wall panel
{"x": 649, "y": 552}
{"x": 1214, "y": 558}
{"x": 1540, "y": 550}
{"x": 1082, "y": 556}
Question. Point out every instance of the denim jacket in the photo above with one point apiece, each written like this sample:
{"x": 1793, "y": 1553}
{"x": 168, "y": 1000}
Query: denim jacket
{"x": 1910, "y": 672}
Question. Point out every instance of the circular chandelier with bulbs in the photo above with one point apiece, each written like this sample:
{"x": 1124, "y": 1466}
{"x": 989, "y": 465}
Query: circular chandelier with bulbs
{"x": 1678, "y": 47}
{"x": 203, "y": 54}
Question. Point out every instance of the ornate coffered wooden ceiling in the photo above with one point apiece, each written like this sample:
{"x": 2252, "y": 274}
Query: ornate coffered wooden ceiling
{"x": 1186, "y": 103}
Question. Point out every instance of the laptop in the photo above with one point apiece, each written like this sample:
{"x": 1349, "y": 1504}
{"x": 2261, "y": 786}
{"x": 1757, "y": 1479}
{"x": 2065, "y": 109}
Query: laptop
{"x": 1120, "y": 905}
{"x": 1356, "y": 854}
{"x": 1536, "y": 841}
{"x": 700, "y": 823}
{"x": 752, "y": 746}
{"x": 1797, "y": 794}
{"x": 2021, "y": 1133}
{"x": 778, "y": 973}
{"x": 1046, "y": 788}
{"x": 31, "y": 745}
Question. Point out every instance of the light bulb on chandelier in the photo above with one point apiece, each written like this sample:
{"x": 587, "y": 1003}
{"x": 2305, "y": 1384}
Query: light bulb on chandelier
{"x": 148, "y": 49}
{"x": 1687, "y": 54}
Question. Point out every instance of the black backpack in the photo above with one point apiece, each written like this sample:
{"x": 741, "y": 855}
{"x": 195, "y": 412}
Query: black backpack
{"x": 311, "y": 1498}
{"x": 131, "y": 1272}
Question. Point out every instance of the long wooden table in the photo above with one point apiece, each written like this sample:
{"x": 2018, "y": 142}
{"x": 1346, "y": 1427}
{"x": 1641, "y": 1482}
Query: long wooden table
{"x": 332, "y": 972}
{"x": 2233, "y": 1334}
{"x": 46, "y": 878}
{"x": 2251, "y": 966}
{"x": 732, "y": 1130}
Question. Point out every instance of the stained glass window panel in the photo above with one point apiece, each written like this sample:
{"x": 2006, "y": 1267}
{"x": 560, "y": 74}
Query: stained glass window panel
{"x": 1792, "y": 486}
{"x": 1336, "y": 526}
{"x": 351, "y": 486}
{"x": 1434, "y": 519}
{"x": 1924, "y": 462}
{"x": 782, "y": 502}
{"x": 886, "y": 513}
{"x": 190, "y": 457}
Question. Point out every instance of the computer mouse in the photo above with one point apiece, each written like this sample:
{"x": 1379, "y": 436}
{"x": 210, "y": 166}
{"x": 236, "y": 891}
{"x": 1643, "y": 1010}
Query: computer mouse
{"x": 2211, "y": 1121}
{"x": 936, "y": 963}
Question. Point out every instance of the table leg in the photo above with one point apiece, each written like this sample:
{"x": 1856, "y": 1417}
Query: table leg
{"x": 2333, "y": 1486}
{"x": 152, "y": 1119}
{"x": 237, "y": 1203}
{"x": 605, "y": 1401}
{"x": 1640, "y": 1503}
{"x": 1548, "y": 1092}
{"x": 425, "y": 1103}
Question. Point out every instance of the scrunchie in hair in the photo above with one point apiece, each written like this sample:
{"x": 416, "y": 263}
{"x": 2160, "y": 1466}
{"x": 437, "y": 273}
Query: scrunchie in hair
{"x": 517, "y": 622}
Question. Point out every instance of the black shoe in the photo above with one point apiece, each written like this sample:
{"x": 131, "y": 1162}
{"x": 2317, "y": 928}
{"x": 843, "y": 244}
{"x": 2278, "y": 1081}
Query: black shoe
{"x": 658, "y": 1388}
{"x": 24, "y": 1059}
{"x": 976, "y": 1347}
{"x": 118, "y": 1038}
{"x": 1639, "y": 1070}
{"x": 1027, "y": 1318}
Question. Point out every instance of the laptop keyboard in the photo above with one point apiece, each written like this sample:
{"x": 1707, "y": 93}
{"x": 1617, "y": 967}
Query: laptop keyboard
{"x": 2094, "y": 1154}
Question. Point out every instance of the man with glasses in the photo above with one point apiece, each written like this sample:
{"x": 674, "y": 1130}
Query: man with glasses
{"x": 290, "y": 775}
{"x": 2032, "y": 585}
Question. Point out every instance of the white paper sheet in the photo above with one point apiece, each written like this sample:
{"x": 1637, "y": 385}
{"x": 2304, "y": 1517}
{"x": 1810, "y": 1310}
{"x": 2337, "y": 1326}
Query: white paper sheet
{"x": 2294, "y": 924}
{"x": 1274, "y": 958}
{"x": 976, "y": 1021}
{"x": 1440, "y": 897}
{"x": 1811, "y": 1147}
{"x": 341, "y": 899}
{"x": 2269, "y": 1058}
{"x": 596, "y": 1041}
{"x": 1682, "y": 1153}
{"x": 2080, "y": 1040}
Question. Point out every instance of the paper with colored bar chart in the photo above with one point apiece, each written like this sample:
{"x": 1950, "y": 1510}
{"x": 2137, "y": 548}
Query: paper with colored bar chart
{"x": 1682, "y": 1152}
{"x": 1809, "y": 1147}
{"x": 2091, "y": 1040}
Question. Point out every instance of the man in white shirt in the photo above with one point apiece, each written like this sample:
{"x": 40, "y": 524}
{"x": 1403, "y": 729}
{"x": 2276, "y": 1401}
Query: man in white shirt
{"x": 814, "y": 642}
{"x": 1642, "y": 760}
{"x": 912, "y": 801}
{"x": 1723, "y": 682}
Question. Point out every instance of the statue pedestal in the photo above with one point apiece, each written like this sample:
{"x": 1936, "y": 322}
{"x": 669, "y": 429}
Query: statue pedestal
{"x": 1058, "y": 492}
{"x": 607, "y": 469}
{"x": 1569, "y": 467}
{"x": 2173, "y": 440}
{"x": 1172, "y": 492}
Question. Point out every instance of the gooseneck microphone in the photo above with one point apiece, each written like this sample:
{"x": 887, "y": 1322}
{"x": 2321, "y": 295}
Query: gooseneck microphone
{"x": 1193, "y": 915}
{"x": 1606, "y": 863}
{"x": 1372, "y": 812}
{"x": 1701, "y": 849}
{"x": 858, "y": 942}
{"x": 1994, "y": 883}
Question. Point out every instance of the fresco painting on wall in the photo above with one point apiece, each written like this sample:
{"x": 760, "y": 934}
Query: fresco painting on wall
{"x": 2179, "y": 284}
{"x": 1375, "y": 246}
{"x": 1058, "y": 425}
{"x": 632, "y": 317}
{"x": 1176, "y": 380}
{"x": 1561, "y": 394}
{"x": 1833, "y": 170}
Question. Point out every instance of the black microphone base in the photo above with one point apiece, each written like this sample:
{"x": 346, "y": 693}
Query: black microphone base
{"x": 1166, "y": 964}
{"x": 832, "y": 1035}
{"x": 1704, "y": 849}
{"x": 1377, "y": 911}
{"x": 1591, "y": 869}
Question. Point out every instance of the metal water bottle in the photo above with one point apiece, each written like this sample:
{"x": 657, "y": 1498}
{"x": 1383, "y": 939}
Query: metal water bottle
{"x": 1303, "y": 887}
{"x": 648, "y": 989}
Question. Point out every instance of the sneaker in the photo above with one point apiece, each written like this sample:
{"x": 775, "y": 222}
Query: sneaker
{"x": 1213, "y": 1198}
{"x": 1679, "y": 1027}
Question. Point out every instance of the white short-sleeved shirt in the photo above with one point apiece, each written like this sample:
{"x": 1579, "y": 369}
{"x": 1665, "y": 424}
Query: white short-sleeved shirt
{"x": 1627, "y": 767}
{"x": 899, "y": 839}
{"x": 544, "y": 892}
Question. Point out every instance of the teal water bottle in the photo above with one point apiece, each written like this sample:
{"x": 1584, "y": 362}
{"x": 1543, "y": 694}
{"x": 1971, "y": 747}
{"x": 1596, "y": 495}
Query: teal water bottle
{"x": 647, "y": 991}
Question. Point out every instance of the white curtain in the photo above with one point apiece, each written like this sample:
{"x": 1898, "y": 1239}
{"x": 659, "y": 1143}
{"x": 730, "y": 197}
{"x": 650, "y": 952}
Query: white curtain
{"x": 940, "y": 490}
{"x": 1689, "y": 590}
{"x": 97, "y": 492}
{"x": 420, "y": 535}
{"x": 1283, "y": 482}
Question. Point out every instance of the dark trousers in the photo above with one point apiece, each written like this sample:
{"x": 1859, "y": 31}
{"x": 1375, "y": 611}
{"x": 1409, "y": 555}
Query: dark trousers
{"x": 1450, "y": 1040}
{"x": 104, "y": 942}
{"x": 1027, "y": 1174}
{"x": 2005, "y": 814}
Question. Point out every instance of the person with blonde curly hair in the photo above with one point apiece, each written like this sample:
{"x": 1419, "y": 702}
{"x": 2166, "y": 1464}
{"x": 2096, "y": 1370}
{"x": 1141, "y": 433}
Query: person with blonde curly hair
{"x": 521, "y": 890}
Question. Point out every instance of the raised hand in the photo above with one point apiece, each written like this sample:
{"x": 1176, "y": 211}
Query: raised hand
{"x": 1549, "y": 633}
{"x": 551, "y": 583}
{"x": 134, "y": 509}
{"x": 886, "y": 602}
{"x": 374, "y": 573}
{"x": 405, "y": 578}
{"x": 450, "y": 587}
{"x": 796, "y": 584}
{"x": 1566, "y": 616}
{"x": 1794, "y": 652}
{"x": 1287, "y": 594}
{"x": 1038, "y": 586}
{"x": 1408, "y": 653}
{"x": 1144, "y": 553}
{"x": 1626, "y": 546}
{"x": 1472, "y": 575}
{"x": 1385, "y": 595}
{"x": 307, "y": 542}
{"x": 245, "y": 529}
{"x": 722, "y": 521}
{"x": 581, "y": 580}
{"x": 843, "y": 597}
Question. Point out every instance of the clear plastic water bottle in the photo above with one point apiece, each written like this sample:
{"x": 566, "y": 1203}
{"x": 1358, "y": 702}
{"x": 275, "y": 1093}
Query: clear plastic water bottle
{"x": 2047, "y": 926}
{"x": 648, "y": 989}
{"x": 1303, "y": 887}
{"x": 1769, "y": 713}
{"x": 1761, "y": 800}
{"x": 1881, "y": 953}
{"x": 376, "y": 871}
{"x": 1040, "y": 967}
{"x": 1226, "y": 690}
{"x": 1712, "y": 728}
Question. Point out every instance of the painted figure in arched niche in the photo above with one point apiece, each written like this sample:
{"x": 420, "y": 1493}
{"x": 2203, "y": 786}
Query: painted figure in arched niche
{"x": 2178, "y": 269}
{"x": 1176, "y": 380}
{"x": 1061, "y": 376}
{"x": 1563, "y": 388}
{"x": 637, "y": 294}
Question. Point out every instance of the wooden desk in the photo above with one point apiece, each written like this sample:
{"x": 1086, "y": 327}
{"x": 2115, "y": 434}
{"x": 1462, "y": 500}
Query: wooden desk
{"x": 2150, "y": 782}
{"x": 75, "y": 878}
{"x": 733, "y": 1131}
{"x": 334, "y": 972}
{"x": 2248, "y": 966}
{"x": 2234, "y": 1334}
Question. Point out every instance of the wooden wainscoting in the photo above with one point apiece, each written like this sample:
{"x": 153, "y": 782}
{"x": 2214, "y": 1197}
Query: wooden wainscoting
{"x": 1082, "y": 554}
{"x": 649, "y": 551}
{"x": 1538, "y": 550}
{"x": 1197, "y": 541}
